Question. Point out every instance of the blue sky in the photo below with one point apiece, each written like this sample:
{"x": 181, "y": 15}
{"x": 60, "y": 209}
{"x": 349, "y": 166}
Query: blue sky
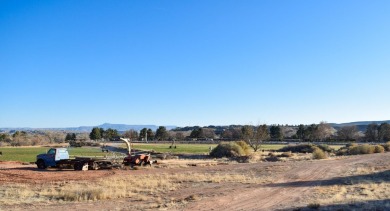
{"x": 185, "y": 63}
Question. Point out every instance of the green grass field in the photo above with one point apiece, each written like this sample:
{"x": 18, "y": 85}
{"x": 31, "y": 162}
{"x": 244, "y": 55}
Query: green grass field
{"x": 180, "y": 148}
{"x": 28, "y": 154}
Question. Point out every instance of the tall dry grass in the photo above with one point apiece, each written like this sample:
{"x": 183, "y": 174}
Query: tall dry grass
{"x": 138, "y": 187}
{"x": 366, "y": 187}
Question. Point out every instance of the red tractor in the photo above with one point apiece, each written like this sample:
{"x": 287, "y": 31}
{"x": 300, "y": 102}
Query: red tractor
{"x": 136, "y": 159}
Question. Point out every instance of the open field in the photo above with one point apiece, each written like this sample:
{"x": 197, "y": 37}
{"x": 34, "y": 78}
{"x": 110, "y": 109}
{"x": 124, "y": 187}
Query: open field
{"x": 339, "y": 183}
{"x": 180, "y": 148}
{"x": 28, "y": 154}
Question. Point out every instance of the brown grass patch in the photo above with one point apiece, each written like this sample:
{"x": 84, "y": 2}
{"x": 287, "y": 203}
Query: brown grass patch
{"x": 138, "y": 187}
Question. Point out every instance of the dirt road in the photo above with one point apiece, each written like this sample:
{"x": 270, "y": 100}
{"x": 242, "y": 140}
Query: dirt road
{"x": 290, "y": 187}
{"x": 289, "y": 184}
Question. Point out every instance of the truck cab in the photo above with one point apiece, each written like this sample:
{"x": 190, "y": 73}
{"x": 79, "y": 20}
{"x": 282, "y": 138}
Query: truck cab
{"x": 51, "y": 158}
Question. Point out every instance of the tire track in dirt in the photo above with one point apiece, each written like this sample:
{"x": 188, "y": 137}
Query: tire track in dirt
{"x": 287, "y": 188}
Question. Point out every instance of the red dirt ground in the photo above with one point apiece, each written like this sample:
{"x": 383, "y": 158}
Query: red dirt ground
{"x": 292, "y": 181}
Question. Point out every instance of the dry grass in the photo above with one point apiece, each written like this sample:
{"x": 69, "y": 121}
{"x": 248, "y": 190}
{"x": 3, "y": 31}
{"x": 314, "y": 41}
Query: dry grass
{"x": 360, "y": 185}
{"x": 137, "y": 187}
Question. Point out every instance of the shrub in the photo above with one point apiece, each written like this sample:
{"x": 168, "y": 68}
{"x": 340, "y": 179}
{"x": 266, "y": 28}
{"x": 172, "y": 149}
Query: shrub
{"x": 225, "y": 149}
{"x": 301, "y": 148}
{"x": 379, "y": 149}
{"x": 271, "y": 154}
{"x": 319, "y": 154}
{"x": 286, "y": 154}
{"x": 314, "y": 206}
{"x": 351, "y": 145}
{"x": 366, "y": 149}
{"x": 325, "y": 148}
{"x": 354, "y": 149}
{"x": 244, "y": 147}
{"x": 386, "y": 146}
{"x": 342, "y": 151}
{"x": 357, "y": 150}
{"x": 272, "y": 159}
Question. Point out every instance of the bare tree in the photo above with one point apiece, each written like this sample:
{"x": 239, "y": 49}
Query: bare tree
{"x": 371, "y": 133}
{"x": 261, "y": 134}
{"x": 323, "y": 131}
{"x": 254, "y": 137}
{"x": 348, "y": 133}
{"x": 208, "y": 133}
{"x": 179, "y": 136}
{"x": 384, "y": 132}
{"x": 247, "y": 133}
{"x": 131, "y": 134}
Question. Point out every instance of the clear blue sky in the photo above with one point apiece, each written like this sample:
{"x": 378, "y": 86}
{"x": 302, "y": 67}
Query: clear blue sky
{"x": 185, "y": 63}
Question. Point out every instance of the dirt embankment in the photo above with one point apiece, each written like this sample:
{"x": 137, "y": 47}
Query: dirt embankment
{"x": 288, "y": 184}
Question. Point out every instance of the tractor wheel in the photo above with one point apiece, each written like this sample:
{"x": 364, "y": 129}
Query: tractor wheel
{"x": 41, "y": 164}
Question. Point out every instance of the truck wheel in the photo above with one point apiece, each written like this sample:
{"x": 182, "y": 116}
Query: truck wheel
{"x": 94, "y": 166}
{"x": 78, "y": 166}
{"x": 41, "y": 164}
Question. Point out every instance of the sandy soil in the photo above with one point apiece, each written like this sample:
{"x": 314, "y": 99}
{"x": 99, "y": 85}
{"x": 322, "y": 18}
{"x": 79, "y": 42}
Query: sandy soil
{"x": 291, "y": 185}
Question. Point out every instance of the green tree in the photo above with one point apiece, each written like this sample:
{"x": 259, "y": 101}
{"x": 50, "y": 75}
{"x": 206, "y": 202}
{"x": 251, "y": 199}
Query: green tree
{"x": 70, "y": 136}
{"x": 161, "y": 133}
{"x": 310, "y": 132}
{"x": 197, "y": 133}
{"x": 276, "y": 132}
{"x": 150, "y": 134}
{"x": 301, "y": 132}
{"x": 95, "y": 134}
{"x": 142, "y": 133}
{"x": 110, "y": 133}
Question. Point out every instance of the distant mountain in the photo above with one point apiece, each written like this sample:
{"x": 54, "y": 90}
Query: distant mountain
{"x": 118, "y": 127}
{"x": 362, "y": 125}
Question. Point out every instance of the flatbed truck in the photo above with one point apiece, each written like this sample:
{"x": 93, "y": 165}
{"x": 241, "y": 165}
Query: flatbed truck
{"x": 59, "y": 157}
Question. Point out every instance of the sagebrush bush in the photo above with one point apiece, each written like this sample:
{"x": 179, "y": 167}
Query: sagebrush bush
{"x": 325, "y": 148}
{"x": 244, "y": 146}
{"x": 379, "y": 149}
{"x": 227, "y": 149}
{"x": 355, "y": 149}
{"x": 319, "y": 154}
{"x": 286, "y": 154}
{"x": 301, "y": 148}
{"x": 386, "y": 146}
{"x": 342, "y": 151}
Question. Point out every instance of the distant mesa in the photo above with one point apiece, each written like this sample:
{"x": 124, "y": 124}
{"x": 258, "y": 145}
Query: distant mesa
{"x": 118, "y": 127}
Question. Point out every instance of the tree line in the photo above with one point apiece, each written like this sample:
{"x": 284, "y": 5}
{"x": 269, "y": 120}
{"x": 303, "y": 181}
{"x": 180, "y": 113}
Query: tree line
{"x": 314, "y": 132}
